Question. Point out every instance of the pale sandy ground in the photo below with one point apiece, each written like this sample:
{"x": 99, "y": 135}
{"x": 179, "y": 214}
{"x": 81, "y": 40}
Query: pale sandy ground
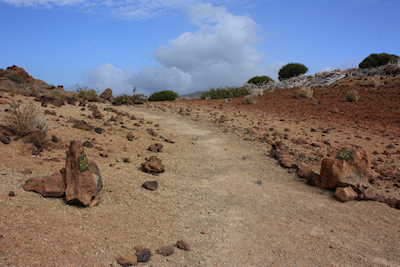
{"x": 208, "y": 196}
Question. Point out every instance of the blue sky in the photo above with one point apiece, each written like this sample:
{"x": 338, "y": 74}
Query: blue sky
{"x": 186, "y": 46}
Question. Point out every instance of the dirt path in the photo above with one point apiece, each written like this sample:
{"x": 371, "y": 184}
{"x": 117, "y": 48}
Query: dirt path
{"x": 255, "y": 213}
{"x": 224, "y": 196}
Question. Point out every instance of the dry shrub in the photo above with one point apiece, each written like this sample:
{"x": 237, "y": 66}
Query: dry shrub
{"x": 392, "y": 67}
{"x": 353, "y": 96}
{"x": 251, "y": 99}
{"x": 372, "y": 82}
{"x": 24, "y": 119}
{"x": 305, "y": 92}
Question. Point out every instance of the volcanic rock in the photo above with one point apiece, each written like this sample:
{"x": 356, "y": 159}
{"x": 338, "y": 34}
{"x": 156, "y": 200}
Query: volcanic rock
{"x": 97, "y": 114}
{"x": 36, "y": 137}
{"x": 338, "y": 172}
{"x": 156, "y": 147}
{"x": 345, "y": 194}
{"x": 50, "y": 186}
{"x": 143, "y": 255}
{"x": 153, "y": 165}
{"x": 5, "y": 139}
{"x": 305, "y": 172}
{"x": 165, "y": 251}
{"x": 80, "y": 186}
{"x": 128, "y": 260}
{"x": 107, "y": 94}
{"x": 150, "y": 185}
{"x": 83, "y": 125}
{"x": 183, "y": 245}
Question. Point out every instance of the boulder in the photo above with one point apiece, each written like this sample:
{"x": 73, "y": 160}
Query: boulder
{"x": 107, "y": 94}
{"x": 81, "y": 187}
{"x": 50, "y": 186}
{"x": 36, "y": 137}
{"x": 153, "y": 165}
{"x": 345, "y": 194}
{"x": 338, "y": 172}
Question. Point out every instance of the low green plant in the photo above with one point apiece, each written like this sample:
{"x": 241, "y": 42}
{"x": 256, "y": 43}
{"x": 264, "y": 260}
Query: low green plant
{"x": 353, "y": 96}
{"x": 377, "y": 60}
{"x": 125, "y": 99}
{"x": 225, "y": 92}
{"x": 15, "y": 78}
{"x": 164, "y": 96}
{"x": 24, "y": 119}
{"x": 291, "y": 70}
{"x": 260, "y": 79}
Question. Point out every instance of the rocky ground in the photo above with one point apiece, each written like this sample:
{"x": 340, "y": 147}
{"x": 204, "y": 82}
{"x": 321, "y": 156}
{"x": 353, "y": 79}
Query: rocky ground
{"x": 221, "y": 192}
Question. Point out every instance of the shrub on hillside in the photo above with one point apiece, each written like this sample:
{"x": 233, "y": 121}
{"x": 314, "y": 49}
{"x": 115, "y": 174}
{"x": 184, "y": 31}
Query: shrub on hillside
{"x": 24, "y": 119}
{"x": 260, "y": 79}
{"x": 15, "y": 78}
{"x": 291, "y": 70}
{"x": 353, "y": 96}
{"x": 377, "y": 60}
{"x": 251, "y": 99}
{"x": 129, "y": 100}
{"x": 225, "y": 92}
{"x": 304, "y": 92}
{"x": 163, "y": 96}
{"x": 85, "y": 93}
{"x": 392, "y": 67}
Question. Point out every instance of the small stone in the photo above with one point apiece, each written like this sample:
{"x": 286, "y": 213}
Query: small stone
{"x": 150, "y": 185}
{"x": 165, "y": 251}
{"x": 259, "y": 182}
{"x": 54, "y": 139}
{"x": 157, "y": 147}
{"x": 292, "y": 170}
{"x": 104, "y": 154}
{"x": 183, "y": 245}
{"x": 11, "y": 194}
{"x": 130, "y": 136}
{"x": 26, "y": 172}
{"x": 87, "y": 144}
{"x": 143, "y": 255}
{"x": 128, "y": 260}
{"x": 99, "y": 130}
{"x": 345, "y": 194}
{"x": 5, "y": 139}
{"x": 127, "y": 160}
{"x": 138, "y": 247}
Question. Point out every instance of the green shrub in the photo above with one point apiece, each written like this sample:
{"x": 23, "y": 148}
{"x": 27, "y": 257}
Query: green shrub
{"x": 260, "y": 79}
{"x": 225, "y": 92}
{"x": 163, "y": 96}
{"x": 291, "y": 70}
{"x": 129, "y": 100}
{"x": 24, "y": 119}
{"x": 376, "y": 60}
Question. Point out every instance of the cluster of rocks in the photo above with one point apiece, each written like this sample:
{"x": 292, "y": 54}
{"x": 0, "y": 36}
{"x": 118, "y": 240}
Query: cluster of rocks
{"x": 143, "y": 254}
{"x": 350, "y": 178}
{"x": 79, "y": 186}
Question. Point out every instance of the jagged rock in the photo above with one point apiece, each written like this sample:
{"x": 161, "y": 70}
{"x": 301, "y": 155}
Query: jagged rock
{"x": 83, "y": 125}
{"x": 128, "y": 260}
{"x": 5, "y": 139}
{"x": 153, "y": 165}
{"x": 29, "y": 149}
{"x": 314, "y": 179}
{"x": 130, "y": 136}
{"x": 80, "y": 186}
{"x": 338, "y": 172}
{"x": 152, "y": 132}
{"x": 87, "y": 144}
{"x": 345, "y": 194}
{"x": 97, "y": 114}
{"x": 183, "y": 245}
{"x": 36, "y": 137}
{"x": 107, "y": 94}
{"x": 305, "y": 172}
{"x": 287, "y": 162}
{"x": 50, "y": 186}
{"x": 165, "y": 251}
{"x": 156, "y": 147}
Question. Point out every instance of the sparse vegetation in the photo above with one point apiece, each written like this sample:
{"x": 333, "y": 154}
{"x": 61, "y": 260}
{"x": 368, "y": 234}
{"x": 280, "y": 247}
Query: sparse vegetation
{"x": 377, "y": 60}
{"x": 291, "y": 70}
{"x": 125, "y": 99}
{"x": 163, "y": 96}
{"x": 251, "y": 99}
{"x": 24, "y": 119}
{"x": 304, "y": 92}
{"x": 15, "y": 78}
{"x": 225, "y": 92}
{"x": 353, "y": 96}
{"x": 85, "y": 93}
{"x": 260, "y": 79}
{"x": 392, "y": 67}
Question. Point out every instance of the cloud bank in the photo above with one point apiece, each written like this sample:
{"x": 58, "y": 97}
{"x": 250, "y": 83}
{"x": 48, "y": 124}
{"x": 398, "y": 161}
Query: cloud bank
{"x": 221, "y": 53}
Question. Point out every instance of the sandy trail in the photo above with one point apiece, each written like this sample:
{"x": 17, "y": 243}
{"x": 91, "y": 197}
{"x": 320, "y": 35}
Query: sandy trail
{"x": 281, "y": 221}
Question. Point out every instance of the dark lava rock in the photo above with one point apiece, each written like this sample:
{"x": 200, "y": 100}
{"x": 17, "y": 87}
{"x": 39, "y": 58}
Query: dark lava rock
{"x": 87, "y": 144}
{"x": 183, "y": 245}
{"x": 165, "y": 251}
{"x": 99, "y": 130}
{"x": 157, "y": 147}
{"x": 54, "y": 139}
{"x": 5, "y": 139}
{"x": 150, "y": 185}
{"x": 143, "y": 255}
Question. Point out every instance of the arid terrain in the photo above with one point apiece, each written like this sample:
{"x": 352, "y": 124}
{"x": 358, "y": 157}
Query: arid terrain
{"x": 221, "y": 192}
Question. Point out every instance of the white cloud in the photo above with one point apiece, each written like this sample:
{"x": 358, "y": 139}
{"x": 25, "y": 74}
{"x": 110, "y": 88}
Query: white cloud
{"x": 220, "y": 53}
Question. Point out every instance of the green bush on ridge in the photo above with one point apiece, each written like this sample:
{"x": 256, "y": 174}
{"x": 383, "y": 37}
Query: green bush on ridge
{"x": 260, "y": 79}
{"x": 163, "y": 96}
{"x": 225, "y": 92}
{"x": 377, "y": 60}
{"x": 291, "y": 70}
